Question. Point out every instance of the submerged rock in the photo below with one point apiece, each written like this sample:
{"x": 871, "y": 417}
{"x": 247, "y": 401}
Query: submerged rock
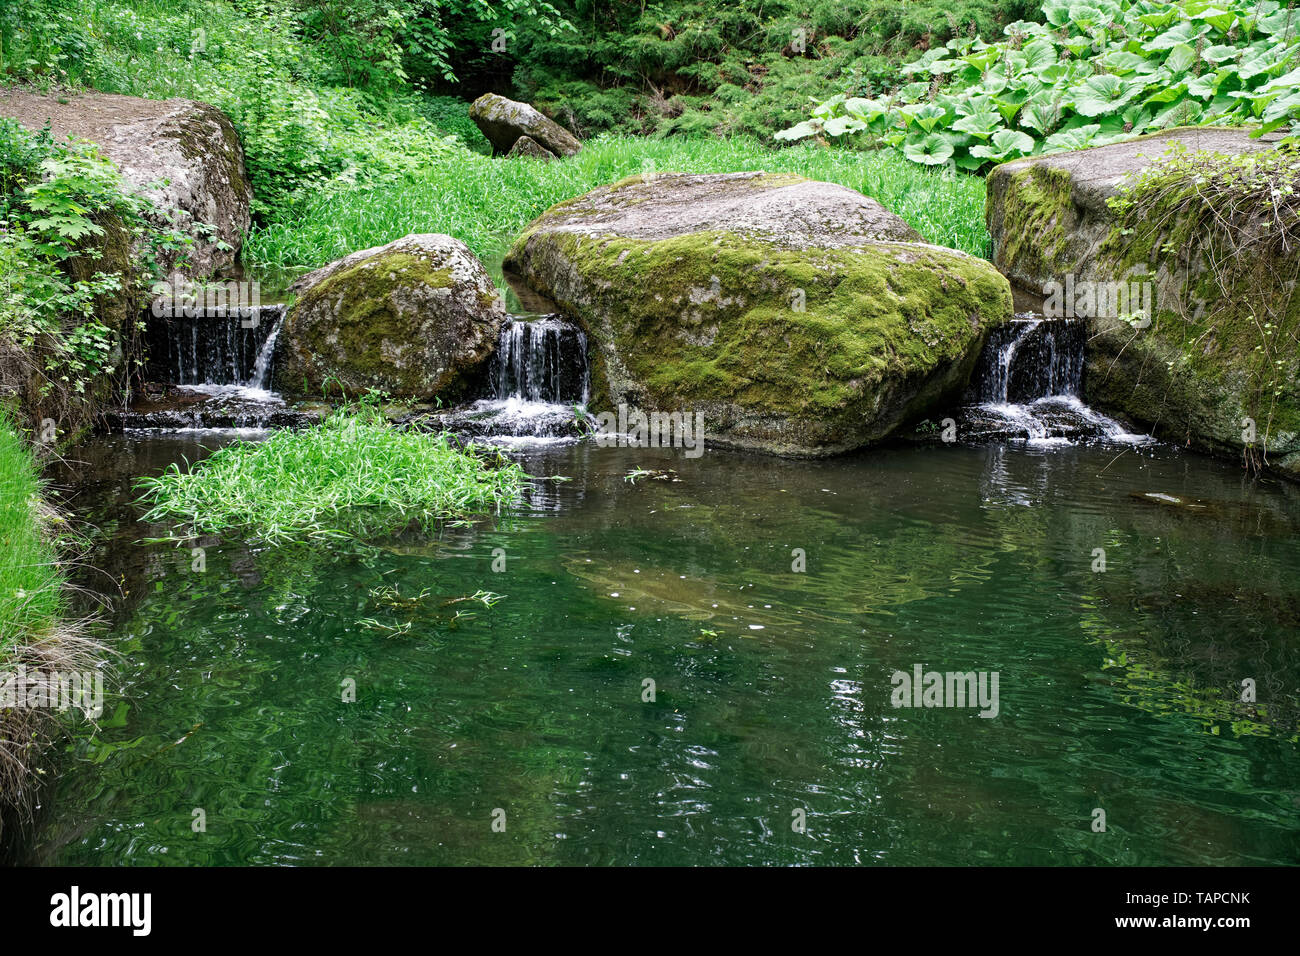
{"x": 505, "y": 121}
{"x": 416, "y": 319}
{"x": 799, "y": 317}
{"x": 183, "y": 155}
{"x": 1188, "y": 307}
{"x": 207, "y": 408}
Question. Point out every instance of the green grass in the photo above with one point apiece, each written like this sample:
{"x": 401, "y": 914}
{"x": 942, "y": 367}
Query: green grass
{"x": 30, "y": 583}
{"x": 353, "y": 474}
{"x": 487, "y": 202}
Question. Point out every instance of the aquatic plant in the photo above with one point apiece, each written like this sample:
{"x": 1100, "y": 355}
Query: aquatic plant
{"x": 354, "y": 474}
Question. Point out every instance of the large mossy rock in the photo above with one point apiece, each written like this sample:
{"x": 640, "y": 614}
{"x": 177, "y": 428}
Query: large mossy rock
{"x": 183, "y": 155}
{"x": 416, "y": 319}
{"x": 1205, "y": 362}
{"x": 799, "y": 317}
{"x": 505, "y": 121}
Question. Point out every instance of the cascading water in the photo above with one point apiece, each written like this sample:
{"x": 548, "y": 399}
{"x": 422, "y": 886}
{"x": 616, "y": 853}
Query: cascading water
{"x": 210, "y": 370}
{"x": 1028, "y": 383}
{"x": 216, "y": 349}
{"x": 538, "y": 381}
{"x": 544, "y": 360}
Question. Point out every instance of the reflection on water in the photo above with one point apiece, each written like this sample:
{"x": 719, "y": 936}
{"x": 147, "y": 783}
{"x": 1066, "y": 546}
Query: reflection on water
{"x": 1119, "y": 689}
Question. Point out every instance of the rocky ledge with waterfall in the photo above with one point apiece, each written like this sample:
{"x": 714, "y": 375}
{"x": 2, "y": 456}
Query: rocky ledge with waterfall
{"x": 799, "y": 317}
{"x": 1181, "y": 252}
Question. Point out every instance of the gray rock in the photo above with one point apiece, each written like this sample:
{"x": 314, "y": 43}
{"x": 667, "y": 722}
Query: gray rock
{"x": 416, "y": 319}
{"x": 191, "y": 147}
{"x": 798, "y": 317}
{"x": 503, "y": 121}
{"x": 1181, "y": 353}
{"x": 528, "y": 147}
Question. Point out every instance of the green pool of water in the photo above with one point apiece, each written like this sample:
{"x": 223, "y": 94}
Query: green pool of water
{"x": 1118, "y": 690}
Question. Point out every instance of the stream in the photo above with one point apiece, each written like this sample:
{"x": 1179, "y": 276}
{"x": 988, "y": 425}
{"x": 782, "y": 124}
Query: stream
{"x": 694, "y": 660}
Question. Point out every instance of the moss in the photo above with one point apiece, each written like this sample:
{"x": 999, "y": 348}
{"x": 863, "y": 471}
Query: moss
{"x": 709, "y": 318}
{"x": 1037, "y": 206}
{"x": 109, "y": 253}
{"x": 1217, "y": 339}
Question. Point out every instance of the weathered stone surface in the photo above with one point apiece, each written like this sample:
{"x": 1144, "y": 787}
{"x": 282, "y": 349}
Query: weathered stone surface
{"x": 190, "y": 147}
{"x": 528, "y": 147}
{"x": 1183, "y": 354}
{"x": 799, "y": 317}
{"x": 415, "y": 319}
{"x": 504, "y": 121}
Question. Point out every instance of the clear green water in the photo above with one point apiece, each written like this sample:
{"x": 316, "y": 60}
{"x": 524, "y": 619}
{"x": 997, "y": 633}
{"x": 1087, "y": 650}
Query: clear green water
{"x": 1118, "y": 690}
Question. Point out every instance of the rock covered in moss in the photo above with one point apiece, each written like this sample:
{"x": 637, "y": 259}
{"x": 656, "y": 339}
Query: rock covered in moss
{"x": 1190, "y": 305}
{"x": 183, "y": 155}
{"x": 799, "y": 317}
{"x": 504, "y": 121}
{"x": 529, "y": 148}
{"x": 416, "y": 319}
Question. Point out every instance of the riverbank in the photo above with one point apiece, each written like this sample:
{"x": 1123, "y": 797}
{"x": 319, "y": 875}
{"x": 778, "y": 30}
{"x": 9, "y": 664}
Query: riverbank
{"x": 36, "y": 641}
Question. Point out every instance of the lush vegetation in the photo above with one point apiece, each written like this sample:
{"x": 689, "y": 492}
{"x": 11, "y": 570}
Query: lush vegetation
{"x": 746, "y": 66}
{"x": 354, "y": 473}
{"x": 340, "y": 92}
{"x": 486, "y": 203}
{"x": 30, "y": 596}
{"x": 1094, "y": 73}
{"x": 67, "y": 228}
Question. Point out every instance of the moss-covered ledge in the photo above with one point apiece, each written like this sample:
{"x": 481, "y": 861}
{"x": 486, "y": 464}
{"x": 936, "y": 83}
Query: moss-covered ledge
{"x": 1205, "y": 222}
{"x": 798, "y": 344}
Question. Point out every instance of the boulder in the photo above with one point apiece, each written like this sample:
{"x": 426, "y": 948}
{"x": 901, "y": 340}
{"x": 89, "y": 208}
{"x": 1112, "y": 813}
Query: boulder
{"x": 416, "y": 319}
{"x": 1177, "y": 287}
{"x": 528, "y": 147}
{"x": 183, "y": 155}
{"x": 504, "y": 121}
{"x": 799, "y": 317}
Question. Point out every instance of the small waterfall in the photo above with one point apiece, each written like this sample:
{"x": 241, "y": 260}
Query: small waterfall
{"x": 538, "y": 382}
{"x": 1028, "y": 359}
{"x": 544, "y": 360}
{"x": 217, "y": 347}
{"x": 1028, "y": 382}
{"x": 261, "y": 377}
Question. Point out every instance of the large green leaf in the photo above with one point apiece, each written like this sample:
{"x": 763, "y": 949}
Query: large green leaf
{"x": 1071, "y": 139}
{"x": 1005, "y": 144}
{"x": 931, "y": 150}
{"x": 1183, "y": 33}
{"x": 1039, "y": 55}
{"x": 1181, "y": 59}
{"x": 1184, "y": 112}
{"x": 839, "y": 125}
{"x": 1056, "y": 12}
{"x": 1102, "y": 95}
{"x": 1221, "y": 20}
{"x": 1124, "y": 63}
{"x": 981, "y": 125}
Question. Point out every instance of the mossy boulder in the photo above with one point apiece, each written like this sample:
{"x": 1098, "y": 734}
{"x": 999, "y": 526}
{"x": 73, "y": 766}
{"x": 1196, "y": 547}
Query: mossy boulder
{"x": 799, "y": 317}
{"x": 183, "y": 155}
{"x": 416, "y": 319}
{"x": 1197, "y": 351}
{"x": 504, "y": 121}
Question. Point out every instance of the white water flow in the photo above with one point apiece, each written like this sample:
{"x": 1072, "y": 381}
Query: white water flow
{"x": 539, "y": 376}
{"x": 1029, "y": 381}
{"x": 223, "y": 355}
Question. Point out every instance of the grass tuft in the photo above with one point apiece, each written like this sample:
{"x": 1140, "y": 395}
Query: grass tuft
{"x": 354, "y": 474}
